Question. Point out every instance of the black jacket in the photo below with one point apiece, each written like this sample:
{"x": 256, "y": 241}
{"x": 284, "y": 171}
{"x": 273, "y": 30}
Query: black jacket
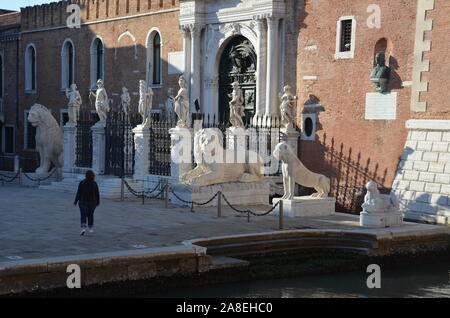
{"x": 88, "y": 192}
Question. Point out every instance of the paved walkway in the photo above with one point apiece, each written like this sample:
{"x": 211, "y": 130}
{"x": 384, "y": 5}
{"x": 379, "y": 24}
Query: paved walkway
{"x": 38, "y": 223}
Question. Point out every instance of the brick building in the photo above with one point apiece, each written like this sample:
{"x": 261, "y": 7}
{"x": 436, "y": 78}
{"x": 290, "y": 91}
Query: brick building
{"x": 324, "y": 49}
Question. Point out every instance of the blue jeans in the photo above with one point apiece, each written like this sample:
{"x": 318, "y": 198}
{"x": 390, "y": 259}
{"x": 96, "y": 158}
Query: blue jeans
{"x": 87, "y": 210}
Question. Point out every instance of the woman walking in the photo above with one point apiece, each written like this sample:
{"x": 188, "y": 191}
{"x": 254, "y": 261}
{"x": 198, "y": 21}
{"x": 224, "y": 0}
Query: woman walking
{"x": 88, "y": 198}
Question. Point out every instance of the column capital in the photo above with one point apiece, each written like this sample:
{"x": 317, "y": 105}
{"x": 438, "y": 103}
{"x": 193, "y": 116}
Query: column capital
{"x": 272, "y": 20}
{"x": 196, "y": 29}
{"x": 186, "y": 30}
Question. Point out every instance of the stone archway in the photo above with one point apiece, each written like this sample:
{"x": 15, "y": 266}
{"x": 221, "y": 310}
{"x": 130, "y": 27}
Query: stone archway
{"x": 237, "y": 63}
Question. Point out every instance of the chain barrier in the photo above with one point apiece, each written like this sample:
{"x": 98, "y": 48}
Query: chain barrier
{"x": 39, "y": 180}
{"x": 193, "y": 202}
{"x": 4, "y": 178}
{"x": 249, "y": 211}
{"x": 145, "y": 194}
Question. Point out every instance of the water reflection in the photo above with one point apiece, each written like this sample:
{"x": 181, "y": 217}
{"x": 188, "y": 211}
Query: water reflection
{"x": 419, "y": 281}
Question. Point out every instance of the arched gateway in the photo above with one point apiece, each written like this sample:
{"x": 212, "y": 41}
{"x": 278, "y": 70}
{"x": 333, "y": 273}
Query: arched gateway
{"x": 237, "y": 63}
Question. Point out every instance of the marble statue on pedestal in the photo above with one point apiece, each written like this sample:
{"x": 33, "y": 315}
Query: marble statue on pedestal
{"x": 125, "y": 99}
{"x": 74, "y": 104}
{"x": 237, "y": 107}
{"x": 145, "y": 103}
{"x": 170, "y": 110}
{"x": 287, "y": 108}
{"x": 212, "y": 167}
{"x": 380, "y": 210}
{"x": 381, "y": 74}
{"x": 182, "y": 104}
{"x": 49, "y": 138}
{"x": 101, "y": 101}
{"x": 294, "y": 172}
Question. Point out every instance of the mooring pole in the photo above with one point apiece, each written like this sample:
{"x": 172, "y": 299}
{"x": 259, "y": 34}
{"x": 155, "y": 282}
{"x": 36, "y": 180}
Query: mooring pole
{"x": 219, "y": 205}
{"x": 281, "y": 214}
{"x": 122, "y": 189}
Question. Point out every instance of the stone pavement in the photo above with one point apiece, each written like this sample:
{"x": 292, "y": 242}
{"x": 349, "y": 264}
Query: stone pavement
{"x": 39, "y": 223}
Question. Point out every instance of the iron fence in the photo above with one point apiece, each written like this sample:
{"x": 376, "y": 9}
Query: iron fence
{"x": 83, "y": 152}
{"x": 159, "y": 147}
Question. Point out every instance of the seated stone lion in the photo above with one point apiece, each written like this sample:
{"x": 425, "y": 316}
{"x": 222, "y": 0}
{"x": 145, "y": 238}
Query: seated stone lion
{"x": 49, "y": 138}
{"x": 216, "y": 165}
{"x": 374, "y": 201}
{"x": 295, "y": 172}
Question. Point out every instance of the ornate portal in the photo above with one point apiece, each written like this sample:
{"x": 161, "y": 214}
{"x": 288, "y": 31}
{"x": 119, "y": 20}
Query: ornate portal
{"x": 238, "y": 64}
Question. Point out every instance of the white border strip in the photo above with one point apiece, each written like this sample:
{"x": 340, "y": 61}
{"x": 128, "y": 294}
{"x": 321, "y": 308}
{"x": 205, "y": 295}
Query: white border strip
{"x": 428, "y": 124}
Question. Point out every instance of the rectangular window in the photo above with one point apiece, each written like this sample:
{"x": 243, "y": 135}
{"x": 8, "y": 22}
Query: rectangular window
{"x": 9, "y": 140}
{"x": 346, "y": 35}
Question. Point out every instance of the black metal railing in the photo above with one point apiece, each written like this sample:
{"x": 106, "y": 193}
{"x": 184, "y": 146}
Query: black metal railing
{"x": 83, "y": 152}
{"x": 159, "y": 147}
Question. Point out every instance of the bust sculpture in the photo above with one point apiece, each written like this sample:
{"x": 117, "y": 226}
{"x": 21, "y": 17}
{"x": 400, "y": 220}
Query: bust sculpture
{"x": 101, "y": 101}
{"x": 237, "y": 106}
{"x": 126, "y": 101}
{"x": 381, "y": 74}
{"x": 287, "y": 108}
{"x": 74, "y": 104}
{"x": 145, "y": 103}
{"x": 182, "y": 104}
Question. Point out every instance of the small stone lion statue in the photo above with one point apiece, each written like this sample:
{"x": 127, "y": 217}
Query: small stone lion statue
{"x": 213, "y": 162}
{"x": 375, "y": 202}
{"x": 295, "y": 172}
{"x": 49, "y": 139}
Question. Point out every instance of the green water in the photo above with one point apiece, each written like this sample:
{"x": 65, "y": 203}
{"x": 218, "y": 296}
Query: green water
{"x": 418, "y": 281}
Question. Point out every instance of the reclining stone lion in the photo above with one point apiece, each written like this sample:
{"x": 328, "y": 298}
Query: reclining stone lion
{"x": 49, "y": 139}
{"x": 295, "y": 172}
{"x": 215, "y": 165}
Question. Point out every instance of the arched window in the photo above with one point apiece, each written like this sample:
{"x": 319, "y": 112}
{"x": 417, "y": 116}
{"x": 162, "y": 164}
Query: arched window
{"x": 67, "y": 64}
{"x": 97, "y": 61}
{"x": 157, "y": 59}
{"x": 30, "y": 68}
{"x": 154, "y": 63}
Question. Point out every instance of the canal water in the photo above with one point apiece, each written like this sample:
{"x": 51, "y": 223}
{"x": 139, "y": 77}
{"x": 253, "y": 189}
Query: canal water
{"x": 418, "y": 281}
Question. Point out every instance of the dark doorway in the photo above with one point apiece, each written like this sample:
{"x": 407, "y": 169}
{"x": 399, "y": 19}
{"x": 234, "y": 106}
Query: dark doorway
{"x": 238, "y": 63}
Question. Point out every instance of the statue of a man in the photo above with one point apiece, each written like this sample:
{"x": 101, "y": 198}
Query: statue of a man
{"x": 287, "y": 107}
{"x": 101, "y": 101}
{"x": 381, "y": 74}
{"x": 145, "y": 102}
{"x": 74, "y": 105}
{"x": 237, "y": 106}
{"x": 170, "y": 111}
{"x": 126, "y": 101}
{"x": 182, "y": 104}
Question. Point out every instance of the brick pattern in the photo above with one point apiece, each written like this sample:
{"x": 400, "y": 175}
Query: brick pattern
{"x": 422, "y": 182}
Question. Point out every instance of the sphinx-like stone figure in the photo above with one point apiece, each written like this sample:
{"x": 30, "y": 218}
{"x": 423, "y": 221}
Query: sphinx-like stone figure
{"x": 74, "y": 104}
{"x": 381, "y": 74}
{"x": 49, "y": 139}
{"x": 145, "y": 103}
{"x": 374, "y": 202}
{"x": 125, "y": 99}
{"x": 101, "y": 101}
{"x": 237, "y": 107}
{"x": 287, "y": 108}
{"x": 182, "y": 104}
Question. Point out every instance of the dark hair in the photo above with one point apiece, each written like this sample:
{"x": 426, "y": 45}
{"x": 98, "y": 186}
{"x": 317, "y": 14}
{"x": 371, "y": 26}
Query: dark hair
{"x": 90, "y": 176}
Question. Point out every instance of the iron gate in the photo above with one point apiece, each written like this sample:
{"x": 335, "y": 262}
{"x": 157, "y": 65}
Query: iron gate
{"x": 159, "y": 147}
{"x": 83, "y": 152}
{"x": 119, "y": 152}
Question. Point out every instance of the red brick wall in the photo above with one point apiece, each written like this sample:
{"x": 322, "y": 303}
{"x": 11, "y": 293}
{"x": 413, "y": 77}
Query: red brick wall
{"x": 348, "y": 148}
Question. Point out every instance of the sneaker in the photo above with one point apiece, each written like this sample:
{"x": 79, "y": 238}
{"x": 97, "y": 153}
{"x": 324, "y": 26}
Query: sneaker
{"x": 91, "y": 230}
{"x": 83, "y": 231}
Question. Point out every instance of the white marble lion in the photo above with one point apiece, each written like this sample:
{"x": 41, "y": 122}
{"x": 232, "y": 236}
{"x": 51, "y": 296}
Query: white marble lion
{"x": 374, "y": 201}
{"x": 216, "y": 165}
{"x": 295, "y": 172}
{"x": 49, "y": 138}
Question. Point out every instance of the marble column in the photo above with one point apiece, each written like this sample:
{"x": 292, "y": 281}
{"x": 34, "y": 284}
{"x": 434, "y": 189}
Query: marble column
{"x": 70, "y": 145}
{"x": 187, "y": 55}
{"x": 98, "y": 148}
{"x": 261, "y": 76}
{"x": 142, "y": 149}
{"x": 272, "y": 101}
{"x": 196, "y": 31}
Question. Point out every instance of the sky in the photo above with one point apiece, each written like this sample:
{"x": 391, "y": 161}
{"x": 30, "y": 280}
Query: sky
{"x": 17, "y": 4}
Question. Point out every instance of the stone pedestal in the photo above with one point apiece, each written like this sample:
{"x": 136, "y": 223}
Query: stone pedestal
{"x": 181, "y": 152}
{"x": 141, "y": 145}
{"x": 236, "y": 193}
{"x": 98, "y": 148}
{"x": 307, "y": 207}
{"x": 70, "y": 146}
{"x": 291, "y": 136}
{"x": 381, "y": 219}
